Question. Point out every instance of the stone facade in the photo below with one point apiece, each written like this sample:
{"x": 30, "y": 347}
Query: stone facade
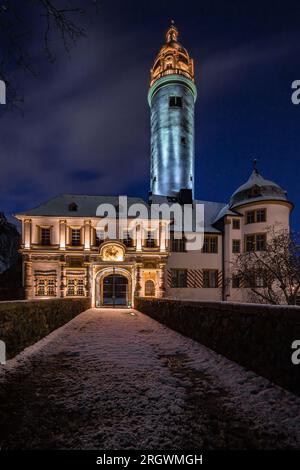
{"x": 63, "y": 266}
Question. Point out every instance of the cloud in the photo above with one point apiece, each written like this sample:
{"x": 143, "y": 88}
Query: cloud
{"x": 223, "y": 70}
{"x": 85, "y": 127}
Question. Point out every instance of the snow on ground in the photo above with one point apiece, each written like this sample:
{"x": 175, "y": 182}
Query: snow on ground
{"x": 116, "y": 379}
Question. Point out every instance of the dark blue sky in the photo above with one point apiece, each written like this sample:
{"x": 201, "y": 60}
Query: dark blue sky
{"x": 85, "y": 127}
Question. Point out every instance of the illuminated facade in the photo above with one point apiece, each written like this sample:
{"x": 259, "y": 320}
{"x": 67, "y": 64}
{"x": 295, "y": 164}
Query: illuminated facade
{"x": 65, "y": 256}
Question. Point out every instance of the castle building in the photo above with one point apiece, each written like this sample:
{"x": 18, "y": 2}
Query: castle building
{"x": 65, "y": 254}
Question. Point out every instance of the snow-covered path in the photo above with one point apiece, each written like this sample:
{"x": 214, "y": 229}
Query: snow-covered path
{"x": 118, "y": 379}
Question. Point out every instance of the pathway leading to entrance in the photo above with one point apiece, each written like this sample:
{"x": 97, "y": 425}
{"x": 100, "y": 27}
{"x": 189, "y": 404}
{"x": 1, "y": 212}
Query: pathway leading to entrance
{"x": 111, "y": 379}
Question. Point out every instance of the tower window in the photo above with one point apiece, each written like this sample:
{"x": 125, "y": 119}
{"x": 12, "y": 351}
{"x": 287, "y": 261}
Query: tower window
{"x": 255, "y": 216}
{"x": 175, "y": 102}
{"x": 183, "y": 141}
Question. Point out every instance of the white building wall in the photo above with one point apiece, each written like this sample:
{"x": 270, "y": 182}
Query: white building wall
{"x": 195, "y": 260}
{"x": 278, "y": 217}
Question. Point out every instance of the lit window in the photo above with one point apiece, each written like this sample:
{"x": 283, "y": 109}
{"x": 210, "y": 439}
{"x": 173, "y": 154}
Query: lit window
{"x": 236, "y": 246}
{"x": 178, "y": 278}
{"x": 75, "y": 287}
{"x": 51, "y": 287}
{"x": 45, "y": 236}
{"x": 210, "y": 278}
{"x": 71, "y": 287}
{"x": 75, "y": 236}
{"x": 41, "y": 287}
{"x": 45, "y": 287}
{"x": 175, "y": 102}
{"x": 80, "y": 287}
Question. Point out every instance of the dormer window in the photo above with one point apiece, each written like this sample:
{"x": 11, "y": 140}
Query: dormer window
{"x": 255, "y": 191}
{"x": 73, "y": 207}
{"x": 175, "y": 102}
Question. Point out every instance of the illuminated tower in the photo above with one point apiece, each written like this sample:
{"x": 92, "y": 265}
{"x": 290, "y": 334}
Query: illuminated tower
{"x": 171, "y": 98}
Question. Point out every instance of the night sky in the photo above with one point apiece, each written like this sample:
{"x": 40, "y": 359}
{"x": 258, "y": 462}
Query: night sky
{"x": 85, "y": 124}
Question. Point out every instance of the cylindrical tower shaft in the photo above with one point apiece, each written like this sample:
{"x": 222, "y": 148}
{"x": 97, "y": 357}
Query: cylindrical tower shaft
{"x": 171, "y": 99}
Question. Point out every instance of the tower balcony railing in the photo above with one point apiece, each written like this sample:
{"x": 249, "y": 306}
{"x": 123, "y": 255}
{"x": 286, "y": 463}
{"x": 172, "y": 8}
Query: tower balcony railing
{"x": 172, "y": 71}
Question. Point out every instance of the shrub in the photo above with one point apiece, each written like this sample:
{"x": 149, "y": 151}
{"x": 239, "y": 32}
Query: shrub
{"x": 23, "y": 323}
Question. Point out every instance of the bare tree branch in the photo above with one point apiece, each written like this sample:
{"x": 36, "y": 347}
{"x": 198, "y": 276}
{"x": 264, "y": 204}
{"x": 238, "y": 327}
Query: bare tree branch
{"x": 20, "y": 26}
{"x": 272, "y": 275}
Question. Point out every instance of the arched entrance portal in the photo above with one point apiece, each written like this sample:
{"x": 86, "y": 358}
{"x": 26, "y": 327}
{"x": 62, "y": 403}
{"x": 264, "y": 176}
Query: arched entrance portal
{"x": 113, "y": 287}
{"x": 115, "y": 290}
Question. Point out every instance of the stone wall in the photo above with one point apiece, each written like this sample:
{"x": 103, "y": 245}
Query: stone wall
{"x": 258, "y": 337}
{"x": 23, "y": 323}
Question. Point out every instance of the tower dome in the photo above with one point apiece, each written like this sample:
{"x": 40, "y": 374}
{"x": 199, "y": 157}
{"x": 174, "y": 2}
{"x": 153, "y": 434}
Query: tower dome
{"x": 257, "y": 188}
{"x": 172, "y": 58}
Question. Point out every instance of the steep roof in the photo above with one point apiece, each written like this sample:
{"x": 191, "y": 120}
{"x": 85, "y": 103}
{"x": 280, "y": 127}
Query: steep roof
{"x": 225, "y": 211}
{"x": 87, "y": 206}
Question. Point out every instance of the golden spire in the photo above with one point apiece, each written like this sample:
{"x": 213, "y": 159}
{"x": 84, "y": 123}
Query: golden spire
{"x": 172, "y": 59}
{"x": 172, "y": 33}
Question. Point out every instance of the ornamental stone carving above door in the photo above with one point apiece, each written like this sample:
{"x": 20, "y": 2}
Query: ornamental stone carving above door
{"x": 112, "y": 252}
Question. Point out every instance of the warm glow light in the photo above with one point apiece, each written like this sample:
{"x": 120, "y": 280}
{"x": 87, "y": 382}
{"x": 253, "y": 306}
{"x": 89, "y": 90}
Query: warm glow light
{"x": 113, "y": 253}
{"x": 172, "y": 59}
